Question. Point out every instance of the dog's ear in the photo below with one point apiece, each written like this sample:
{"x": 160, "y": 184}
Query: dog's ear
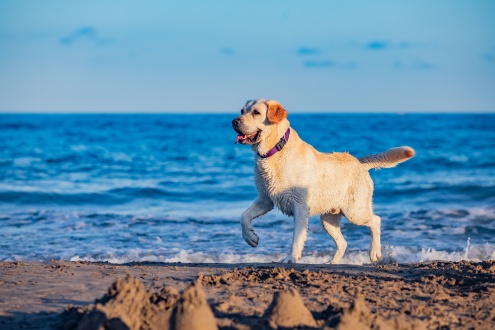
{"x": 275, "y": 113}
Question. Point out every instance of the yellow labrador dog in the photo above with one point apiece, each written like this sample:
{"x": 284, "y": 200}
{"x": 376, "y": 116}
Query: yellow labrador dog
{"x": 293, "y": 176}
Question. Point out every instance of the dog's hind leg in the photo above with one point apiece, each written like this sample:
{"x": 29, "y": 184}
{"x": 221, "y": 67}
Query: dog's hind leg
{"x": 331, "y": 223}
{"x": 375, "y": 248}
{"x": 260, "y": 206}
{"x": 373, "y": 222}
{"x": 360, "y": 212}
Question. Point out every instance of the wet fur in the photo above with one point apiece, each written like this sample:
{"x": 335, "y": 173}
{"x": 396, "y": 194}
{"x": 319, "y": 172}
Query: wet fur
{"x": 302, "y": 182}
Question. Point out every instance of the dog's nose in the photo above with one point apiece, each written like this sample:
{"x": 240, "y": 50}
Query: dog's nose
{"x": 236, "y": 122}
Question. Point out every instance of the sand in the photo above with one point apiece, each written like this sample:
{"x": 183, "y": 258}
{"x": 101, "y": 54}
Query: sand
{"x": 80, "y": 295}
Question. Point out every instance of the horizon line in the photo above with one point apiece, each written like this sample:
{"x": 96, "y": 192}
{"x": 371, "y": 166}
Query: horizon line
{"x": 312, "y": 112}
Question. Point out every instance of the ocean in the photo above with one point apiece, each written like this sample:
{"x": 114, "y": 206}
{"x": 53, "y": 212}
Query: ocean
{"x": 172, "y": 188}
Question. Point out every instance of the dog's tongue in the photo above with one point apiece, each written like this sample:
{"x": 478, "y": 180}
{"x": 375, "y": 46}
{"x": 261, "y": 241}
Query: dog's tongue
{"x": 239, "y": 138}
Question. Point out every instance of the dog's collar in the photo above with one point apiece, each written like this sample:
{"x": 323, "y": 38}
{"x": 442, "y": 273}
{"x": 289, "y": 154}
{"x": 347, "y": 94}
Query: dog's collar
{"x": 279, "y": 146}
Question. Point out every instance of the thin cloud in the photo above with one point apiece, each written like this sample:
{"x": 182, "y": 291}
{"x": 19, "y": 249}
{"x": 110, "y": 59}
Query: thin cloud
{"x": 319, "y": 64}
{"x": 308, "y": 51}
{"x": 374, "y": 45}
{"x": 382, "y": 45}
{"x": 377, "y": 45}
{"x": 326, "y": 64}
{"x": 414, "y": 65}
{"x": 84, "y": 33}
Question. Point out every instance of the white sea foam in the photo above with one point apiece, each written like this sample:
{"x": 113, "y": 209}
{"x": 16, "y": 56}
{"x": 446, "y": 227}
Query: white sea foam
{"x": 399, "y": 254}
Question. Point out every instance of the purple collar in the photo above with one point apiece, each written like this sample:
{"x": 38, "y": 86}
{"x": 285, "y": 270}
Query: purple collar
{"x": 278, "y": 146}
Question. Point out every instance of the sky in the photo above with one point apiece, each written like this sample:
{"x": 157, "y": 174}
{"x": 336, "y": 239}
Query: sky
{"x": 211, "y": 56}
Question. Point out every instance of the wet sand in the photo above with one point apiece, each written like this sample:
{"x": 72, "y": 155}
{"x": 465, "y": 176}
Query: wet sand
{"x": 432, "y": 295}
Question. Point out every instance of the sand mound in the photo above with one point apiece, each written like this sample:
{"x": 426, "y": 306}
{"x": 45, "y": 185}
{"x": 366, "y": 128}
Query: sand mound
{"x": 127, "y": 305}
{"x": 192, "y": 311}
{"x": 288, "y": 310}
{"x": 359, "y": 317}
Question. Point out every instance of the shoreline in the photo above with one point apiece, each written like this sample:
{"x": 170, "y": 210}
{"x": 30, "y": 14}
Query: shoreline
{"x": 436, "y": 293}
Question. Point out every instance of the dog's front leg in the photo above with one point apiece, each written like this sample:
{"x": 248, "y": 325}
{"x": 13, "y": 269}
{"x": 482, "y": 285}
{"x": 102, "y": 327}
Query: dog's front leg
{"x": 260, "y": 206}
{"x": 301, "y": 215}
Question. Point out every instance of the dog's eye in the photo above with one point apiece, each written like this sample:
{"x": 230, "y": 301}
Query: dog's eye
{"x": 256, "y": 112}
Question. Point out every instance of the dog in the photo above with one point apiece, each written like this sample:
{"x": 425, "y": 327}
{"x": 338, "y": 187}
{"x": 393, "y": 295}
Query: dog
{"x": 300, "y": 181}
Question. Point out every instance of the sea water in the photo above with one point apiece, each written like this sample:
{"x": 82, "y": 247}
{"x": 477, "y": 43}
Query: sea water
{"x": 171, "y": 188}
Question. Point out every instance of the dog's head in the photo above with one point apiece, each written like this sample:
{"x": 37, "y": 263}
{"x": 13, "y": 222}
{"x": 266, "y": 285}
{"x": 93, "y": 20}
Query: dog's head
{"x": 258, "y": 120}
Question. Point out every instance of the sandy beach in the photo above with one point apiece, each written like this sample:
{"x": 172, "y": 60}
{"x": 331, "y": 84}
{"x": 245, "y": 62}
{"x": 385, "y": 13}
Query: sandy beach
{"x": 432, "y": 295}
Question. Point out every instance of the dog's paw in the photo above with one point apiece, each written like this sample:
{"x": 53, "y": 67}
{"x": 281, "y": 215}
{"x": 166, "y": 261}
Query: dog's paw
{"x": 375, "y": 254}
{"x": 250, "y": 237}
{"x": 289, "y": 260}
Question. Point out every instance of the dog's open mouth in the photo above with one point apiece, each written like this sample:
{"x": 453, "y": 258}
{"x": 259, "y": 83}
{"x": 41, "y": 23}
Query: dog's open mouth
{"x": 248, "y": 138}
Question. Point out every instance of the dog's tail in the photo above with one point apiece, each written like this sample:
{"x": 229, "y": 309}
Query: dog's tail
{"x": 389, "y": 158}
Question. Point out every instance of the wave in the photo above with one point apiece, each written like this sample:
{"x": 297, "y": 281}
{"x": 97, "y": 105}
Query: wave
{"x": 391, "y": 254}
{"x": 477, "y": 189}
{"x": 177, "y": 193}
{"x": 44, "y": 198}
{"x": 94, "y": 195}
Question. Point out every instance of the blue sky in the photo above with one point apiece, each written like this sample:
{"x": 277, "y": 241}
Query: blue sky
{"x": 211, "y": 56}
